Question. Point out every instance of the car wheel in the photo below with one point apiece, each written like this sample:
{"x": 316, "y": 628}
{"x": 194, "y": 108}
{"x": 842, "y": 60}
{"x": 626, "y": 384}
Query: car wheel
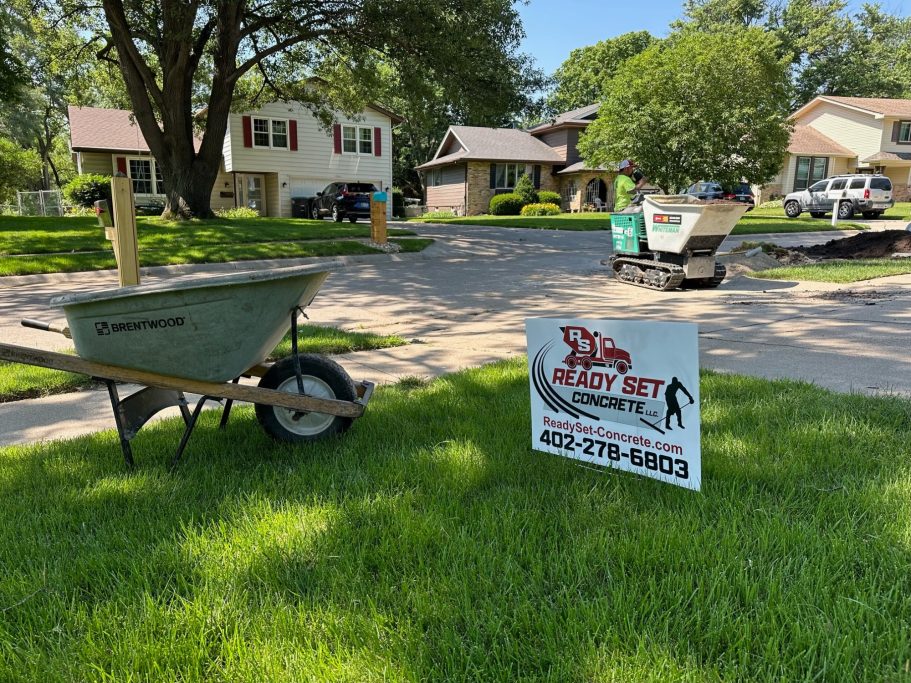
{"x": 314, "y": 212}
{"x": 845, "y": 210}
{"x": 792, "y": 209}
{"x": 337, "y": 215}
{"x": 353, "y": 219}
{"x": 817, "y": 214}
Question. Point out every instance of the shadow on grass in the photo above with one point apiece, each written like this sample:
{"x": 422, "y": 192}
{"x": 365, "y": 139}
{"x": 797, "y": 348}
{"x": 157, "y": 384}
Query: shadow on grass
{"x": 431, "y": 543}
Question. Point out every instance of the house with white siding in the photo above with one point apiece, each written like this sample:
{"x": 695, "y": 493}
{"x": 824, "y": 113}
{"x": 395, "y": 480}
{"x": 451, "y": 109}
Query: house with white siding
{"x": 269, "y": 156}
{"x": 834, "y": 135}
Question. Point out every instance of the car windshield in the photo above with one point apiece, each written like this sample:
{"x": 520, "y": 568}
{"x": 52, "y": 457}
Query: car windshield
{"x": 701, "y": 187}
{"x": 819, "y": 187}
{"x": 360, "y": 187}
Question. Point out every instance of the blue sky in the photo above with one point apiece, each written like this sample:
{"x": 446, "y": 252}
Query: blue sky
{"x": 554, "y": 27}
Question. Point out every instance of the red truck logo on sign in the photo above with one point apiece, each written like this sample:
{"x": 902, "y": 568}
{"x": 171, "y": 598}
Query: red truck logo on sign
{"x": 589, "y": 348}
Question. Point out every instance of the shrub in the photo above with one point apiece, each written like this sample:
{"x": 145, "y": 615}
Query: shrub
{"x": 88, "y": 188}
{"x": 398, "y": 202}
{"x": 508, "y": 204}
{"x": 79, "y": 211}
{"x": 548, "y": 197}
{"x": 443, "y": 213}
{"x": 237, "y": 212}
{"x": 526, "y": 190}
{"x": 541, "y": 210}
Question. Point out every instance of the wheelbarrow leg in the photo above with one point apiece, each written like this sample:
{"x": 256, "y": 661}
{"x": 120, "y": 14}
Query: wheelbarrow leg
{"x": 188, "y": 431}
{"x": 118, "y": 419}
{"x": 226, "y": 413}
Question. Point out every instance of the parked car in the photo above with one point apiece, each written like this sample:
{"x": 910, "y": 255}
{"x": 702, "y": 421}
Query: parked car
{"x": 740, "y": 192}
{"x": 869, "y": 195}
{"x": 343, "y": 200}
{"x": 705, "y": 190}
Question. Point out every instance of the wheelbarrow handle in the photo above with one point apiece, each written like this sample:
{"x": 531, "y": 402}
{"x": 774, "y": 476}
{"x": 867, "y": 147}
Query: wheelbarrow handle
{"x": 47, "y": 327}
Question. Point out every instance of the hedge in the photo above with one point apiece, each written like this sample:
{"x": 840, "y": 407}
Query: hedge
{"x": 508, "y": 204}
{"x": 541, "y": 210}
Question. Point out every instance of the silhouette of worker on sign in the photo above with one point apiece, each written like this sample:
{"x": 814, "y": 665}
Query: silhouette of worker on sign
{"x": 673, "y": 407}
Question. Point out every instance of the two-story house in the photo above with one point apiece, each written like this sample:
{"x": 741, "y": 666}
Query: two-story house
{"x": 473, "y": 164}
{"x": 269, "y": 155}
{"x": 835, "y": 135}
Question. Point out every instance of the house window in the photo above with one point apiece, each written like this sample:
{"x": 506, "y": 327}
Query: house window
{"x": 508, "y": 174}
{"x": 904, "y": 133}
{"x": 357, "y": 139}
{"x": 270, "y": 133}
{"x": 141, "y": 175}
{"x": 435, "y": 177}
{"x": 809, "y": 170}
{"x": 366, "y": 140}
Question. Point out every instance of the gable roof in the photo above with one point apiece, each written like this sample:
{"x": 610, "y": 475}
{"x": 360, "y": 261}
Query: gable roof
{"x": 808, "y": 140}
{"x": 104, "y": 130}
{"x": 575, "y": 117}
{"x": 493, "y": 144}
{"x": 877, "y": 107}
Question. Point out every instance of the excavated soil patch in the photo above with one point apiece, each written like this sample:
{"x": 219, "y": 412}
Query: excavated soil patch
{"x": 866, "y": 245}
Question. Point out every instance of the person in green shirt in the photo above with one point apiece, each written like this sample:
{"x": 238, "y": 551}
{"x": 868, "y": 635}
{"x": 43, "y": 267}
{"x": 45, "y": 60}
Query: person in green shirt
{"x": 625, "y": 186}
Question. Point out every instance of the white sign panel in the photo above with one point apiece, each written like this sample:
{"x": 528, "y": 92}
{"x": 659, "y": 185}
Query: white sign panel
{"x": 617, "y": 393}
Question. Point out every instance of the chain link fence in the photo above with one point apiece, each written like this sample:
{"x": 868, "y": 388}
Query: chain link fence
{"x": 40, "y": 203}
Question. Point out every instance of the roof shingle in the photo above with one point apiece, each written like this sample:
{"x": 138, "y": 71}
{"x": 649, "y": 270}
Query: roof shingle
{"x": 113, "y": 130}
{"x": 496, "y": 144}
{"x": 876, "y": 105}
{"x": 807, "y": 140}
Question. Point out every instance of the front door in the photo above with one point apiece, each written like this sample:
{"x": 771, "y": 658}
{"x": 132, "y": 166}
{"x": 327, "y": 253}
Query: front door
{"x": 252, "y": 192}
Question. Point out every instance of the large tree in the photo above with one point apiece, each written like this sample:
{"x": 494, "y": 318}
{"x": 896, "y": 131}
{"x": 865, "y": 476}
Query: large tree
{"x": 697, "y": 106}
{"x": 580, "y": 80}
{"x": 162, "y": 48}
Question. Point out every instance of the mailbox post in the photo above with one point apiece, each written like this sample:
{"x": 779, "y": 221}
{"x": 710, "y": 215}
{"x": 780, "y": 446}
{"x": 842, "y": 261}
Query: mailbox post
{"x": 378, "y": 217}
{"x": 836, "y": 196}
{"x": 120, "y": 227}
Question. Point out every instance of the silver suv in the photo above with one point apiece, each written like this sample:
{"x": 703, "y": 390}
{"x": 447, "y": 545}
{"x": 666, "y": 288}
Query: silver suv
{"x": 869, "y": 195}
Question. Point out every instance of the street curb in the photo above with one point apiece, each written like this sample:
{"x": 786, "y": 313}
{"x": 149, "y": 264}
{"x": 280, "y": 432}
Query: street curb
{"x": 227, "y": 267}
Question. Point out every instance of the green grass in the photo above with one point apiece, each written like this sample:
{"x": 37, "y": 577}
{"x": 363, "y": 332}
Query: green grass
{"x": 763, "y": 221}
{"x": 431, "y": 544}
{"x": 28, "y": 381}
{"x": 839, "y": 271}
{"x": 32, "y": 245}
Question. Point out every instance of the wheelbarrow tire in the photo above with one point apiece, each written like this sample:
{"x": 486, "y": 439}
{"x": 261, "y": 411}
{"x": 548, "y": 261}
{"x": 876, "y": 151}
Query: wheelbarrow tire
{"x": 323, "y": 378}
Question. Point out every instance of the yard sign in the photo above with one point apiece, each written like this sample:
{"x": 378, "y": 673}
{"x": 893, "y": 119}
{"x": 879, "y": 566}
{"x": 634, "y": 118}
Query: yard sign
{"x": 617, "y": 393}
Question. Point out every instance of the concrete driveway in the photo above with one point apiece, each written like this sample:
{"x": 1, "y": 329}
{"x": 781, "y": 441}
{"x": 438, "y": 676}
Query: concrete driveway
{"x": 464, "y": 301}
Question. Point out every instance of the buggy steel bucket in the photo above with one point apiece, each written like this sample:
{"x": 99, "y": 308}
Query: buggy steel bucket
{"x": 681, "y": 223}
{"x": 210, "y": 329}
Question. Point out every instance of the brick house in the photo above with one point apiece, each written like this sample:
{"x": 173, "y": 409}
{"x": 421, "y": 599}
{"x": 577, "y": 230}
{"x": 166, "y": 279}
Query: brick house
{"x": 834, "y": 135}
{"x": 473, "y": 164}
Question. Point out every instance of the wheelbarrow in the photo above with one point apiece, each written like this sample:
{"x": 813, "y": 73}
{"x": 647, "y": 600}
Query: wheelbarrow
{"x": 202, "y": 336}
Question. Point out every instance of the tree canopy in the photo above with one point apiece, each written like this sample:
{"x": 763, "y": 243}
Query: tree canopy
{"x": 697, "y": 106}
{"x": 580, "y": 80}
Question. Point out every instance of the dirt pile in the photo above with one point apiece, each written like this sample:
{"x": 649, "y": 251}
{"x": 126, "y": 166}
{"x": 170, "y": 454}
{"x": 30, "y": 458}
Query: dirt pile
{"x": 866, "y": 245}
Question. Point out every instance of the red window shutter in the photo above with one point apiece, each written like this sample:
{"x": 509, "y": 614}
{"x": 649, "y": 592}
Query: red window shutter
{"x": 896, "y": 130}
{"x": 122, "y": 165}
{"x": 248, "y": 131}
{"x": 292, "y": 134}
{"x": 378, "y": 141}
{"x": 337, "y": 135}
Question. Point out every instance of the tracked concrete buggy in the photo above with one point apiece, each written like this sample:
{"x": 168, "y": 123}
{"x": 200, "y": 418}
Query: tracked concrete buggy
{"x": 672, "y": 243}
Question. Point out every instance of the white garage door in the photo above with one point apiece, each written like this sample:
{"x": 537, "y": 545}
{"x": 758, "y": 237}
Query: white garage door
{"x": 307, "y": 187}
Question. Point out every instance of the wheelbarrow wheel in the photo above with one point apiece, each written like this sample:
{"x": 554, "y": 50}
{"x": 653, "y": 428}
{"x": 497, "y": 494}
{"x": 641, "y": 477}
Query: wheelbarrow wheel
{"x": 323, "y": 378}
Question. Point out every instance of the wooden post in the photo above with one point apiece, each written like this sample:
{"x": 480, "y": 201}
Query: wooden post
{"x": 126, "y": 247}
{"x": 378, "y": 217}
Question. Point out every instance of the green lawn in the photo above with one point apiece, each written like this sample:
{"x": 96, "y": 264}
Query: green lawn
{"x": 839, "y": 271}
{"x": 431, "y": 544}
{"x": 30, "y": 245}
{"x": 755, "y": 222}
{"x": 27, "y": 381}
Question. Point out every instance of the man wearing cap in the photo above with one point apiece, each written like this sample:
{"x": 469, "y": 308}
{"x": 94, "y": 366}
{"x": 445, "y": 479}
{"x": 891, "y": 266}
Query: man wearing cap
{"x": 625, "y": 187}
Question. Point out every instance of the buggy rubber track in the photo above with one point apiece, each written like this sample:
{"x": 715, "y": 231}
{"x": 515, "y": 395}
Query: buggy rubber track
{"x": 707, "y": 282}
{"x": 653, "y": 275}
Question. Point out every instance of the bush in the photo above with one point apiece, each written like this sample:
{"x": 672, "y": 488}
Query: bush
{"x": 443, "y": 213}
{"x": 508, "y": 204}
{"x": 398, "y": 202}
{"x": 88, "y": 188}
{"x": 79, "y": 211}
{"x": 541, "y": 210}
{"x": 526, "y": 190}
{"x": 237, "y": 212}
{"x": 548, "y": 197}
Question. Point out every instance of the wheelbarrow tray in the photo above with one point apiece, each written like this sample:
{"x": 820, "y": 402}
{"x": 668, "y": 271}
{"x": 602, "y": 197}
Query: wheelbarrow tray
{"x": 209, "y": 329}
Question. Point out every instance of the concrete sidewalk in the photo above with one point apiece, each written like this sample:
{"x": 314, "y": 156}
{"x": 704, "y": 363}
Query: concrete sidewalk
{"x": 464, "y": 302}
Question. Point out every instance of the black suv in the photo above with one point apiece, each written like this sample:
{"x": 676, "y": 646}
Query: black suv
{"x": 343, "y": 199}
